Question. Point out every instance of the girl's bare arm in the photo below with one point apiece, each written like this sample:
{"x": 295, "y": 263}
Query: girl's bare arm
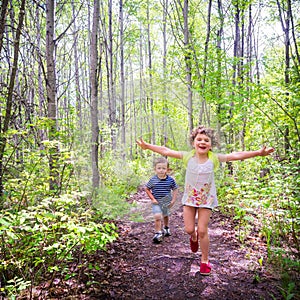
{"x": 264, "y": 151}
{"x": 159, "y": 149}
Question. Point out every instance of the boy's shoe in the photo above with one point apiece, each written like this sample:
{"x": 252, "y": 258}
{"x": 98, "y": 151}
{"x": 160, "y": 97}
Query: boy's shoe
{"x": 205, "y": 269}
{"x": 194, "y": 245}
{"x": 158, "y": 237}
{"x": 167, "y": 231}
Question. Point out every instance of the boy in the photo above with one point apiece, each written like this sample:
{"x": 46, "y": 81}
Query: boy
{"x": 159, "y": 189}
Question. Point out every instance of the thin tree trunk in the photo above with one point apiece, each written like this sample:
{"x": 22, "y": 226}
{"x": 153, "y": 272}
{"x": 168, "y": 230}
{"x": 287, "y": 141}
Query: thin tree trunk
{"x": 297, "y": 55}
{"x": 203, "y": 110}
{"x": 219, "y": 63}
{"x": 94, "y": 96}
{"x": 77, "y": 77}
{"x": 123, "y": 130}
{"x": 143, "y": 121}
{"x": 236, "y": 55}
{"x": 110, "y": 76}
{"x": 51, "y": 93}
{"x": 165, "y": 108}
{"x": 285, "y": 23}
{"x": 153, "y": 131}
{"x": 9, "y": 100}
{"x": 3, "y": 14}
{"x": 188, "y": 68}
{"x": 41, "y": 91}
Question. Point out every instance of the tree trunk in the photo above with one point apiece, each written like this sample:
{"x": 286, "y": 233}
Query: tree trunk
{"x": 188, "y": 68}
{"x": 110, "y": 77}
{"x": 153, "y": 129}
{"x": 203, "y": 110}
{"x": 122, "y": 78}
{"x": 165, "y": 106}
{"x": 285, "y": 23}
{"x": 3, "y": 14}
{"x": 9, "y": 100}
{"x": 51, "y": 94}
{"x": 40, "y": 74}
{"x": 94, "y": 95}
{"x": 77, "y": 77}
{"x": 219, "y": 64}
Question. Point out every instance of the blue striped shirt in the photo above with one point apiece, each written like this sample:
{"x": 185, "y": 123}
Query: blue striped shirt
{"x": 161, "y": 187}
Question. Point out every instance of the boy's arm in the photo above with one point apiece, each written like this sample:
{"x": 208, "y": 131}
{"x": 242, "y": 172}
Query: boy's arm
{"x": 159, "y": 149}
{"x": 174, "y": 196}
{"x": 264, "y": 151}
{"x": 150, "y": 195}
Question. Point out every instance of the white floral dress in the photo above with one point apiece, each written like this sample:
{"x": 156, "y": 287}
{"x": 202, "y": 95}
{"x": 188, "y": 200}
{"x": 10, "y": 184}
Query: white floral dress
{"x": 200, "y": 189}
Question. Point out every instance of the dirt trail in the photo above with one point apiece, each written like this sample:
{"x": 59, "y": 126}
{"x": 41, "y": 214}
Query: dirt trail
{"x": 138, "y": 269}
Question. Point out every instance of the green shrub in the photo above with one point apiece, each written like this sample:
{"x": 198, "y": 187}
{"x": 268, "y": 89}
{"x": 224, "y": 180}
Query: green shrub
{"x": 43, "y": 238}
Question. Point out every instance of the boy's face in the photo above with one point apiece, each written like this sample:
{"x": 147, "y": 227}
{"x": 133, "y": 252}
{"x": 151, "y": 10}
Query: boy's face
{"x": 161, "y": 170}
{"x": 202, "y": 143}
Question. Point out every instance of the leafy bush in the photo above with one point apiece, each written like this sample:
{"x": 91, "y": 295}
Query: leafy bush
{"x": 273, "y": 200}
{"x": 43, "y": 238}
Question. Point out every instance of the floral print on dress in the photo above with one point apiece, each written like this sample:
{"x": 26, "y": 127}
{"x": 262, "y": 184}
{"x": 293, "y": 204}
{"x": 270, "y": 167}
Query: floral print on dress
{"x": 200, "y": 189}
{"x": 199, "y": 197}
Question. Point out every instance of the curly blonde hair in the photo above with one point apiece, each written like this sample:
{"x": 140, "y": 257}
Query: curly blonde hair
{"x": 201, "y": 129}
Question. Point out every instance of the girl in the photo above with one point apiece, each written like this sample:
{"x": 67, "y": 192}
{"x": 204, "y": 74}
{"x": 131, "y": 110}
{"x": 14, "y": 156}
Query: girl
{"x": 200, "y": 191}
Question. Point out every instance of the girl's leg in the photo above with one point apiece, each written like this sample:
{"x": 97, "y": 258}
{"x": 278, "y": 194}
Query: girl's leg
{"x": 203, "y": 220}
{"x": 189, "y": 216}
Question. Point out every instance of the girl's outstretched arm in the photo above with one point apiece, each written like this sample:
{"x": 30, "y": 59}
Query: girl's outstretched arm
{"x": 264, "y": 151}
{"x": 159, "y": 149}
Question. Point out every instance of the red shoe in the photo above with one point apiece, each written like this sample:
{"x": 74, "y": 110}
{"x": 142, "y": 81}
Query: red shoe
{"x": 194, "y": 245}
{"x": 205, "y": 269}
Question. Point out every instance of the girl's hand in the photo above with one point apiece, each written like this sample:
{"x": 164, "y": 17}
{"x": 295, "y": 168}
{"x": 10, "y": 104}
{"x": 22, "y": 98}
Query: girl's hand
{"x": 264, "y": 151}
{"x": 142, "y": 143}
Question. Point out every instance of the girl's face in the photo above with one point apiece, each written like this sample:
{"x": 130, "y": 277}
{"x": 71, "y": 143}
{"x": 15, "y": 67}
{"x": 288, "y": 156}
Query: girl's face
{"x": 161, "y": 170}
{"x": 202, "y": 143}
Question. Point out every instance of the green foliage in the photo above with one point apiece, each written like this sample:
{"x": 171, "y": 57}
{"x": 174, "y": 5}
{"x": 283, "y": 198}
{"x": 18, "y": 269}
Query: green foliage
{"x": 43, "y": 238}
{"x": 272, "y": 199}
{"x": 109, "y": 202}
{"x": 119, "y": 174}
{"x": 119, "y": 179}
{"x": 288, "y": 291}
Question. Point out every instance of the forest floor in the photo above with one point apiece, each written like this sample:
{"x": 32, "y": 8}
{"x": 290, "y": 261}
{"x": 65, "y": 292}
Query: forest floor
{"x": 133, "y": 267}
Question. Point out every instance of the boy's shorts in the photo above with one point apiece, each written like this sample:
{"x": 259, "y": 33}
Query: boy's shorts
{"x": 163, "y": 206}
{"x": 164, "y": 209}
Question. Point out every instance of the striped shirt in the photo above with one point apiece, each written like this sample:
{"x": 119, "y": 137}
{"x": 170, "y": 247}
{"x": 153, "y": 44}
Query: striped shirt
{"x": 161, "y": 187}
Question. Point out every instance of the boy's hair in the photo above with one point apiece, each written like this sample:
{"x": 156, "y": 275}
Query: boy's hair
{"x": 160, "y": 160}
{"x": 203, "y": 130}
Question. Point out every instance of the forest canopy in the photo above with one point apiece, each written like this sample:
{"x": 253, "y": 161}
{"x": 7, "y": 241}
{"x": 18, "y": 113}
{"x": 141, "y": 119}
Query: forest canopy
{"x": 81, "y": 81}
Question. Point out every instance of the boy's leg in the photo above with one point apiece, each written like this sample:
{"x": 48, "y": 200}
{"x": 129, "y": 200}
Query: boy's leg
{"x": 157, "y": 222}
{"x": 166, "y": 229}
{"x": 158, "y": 237}
{"x": 204, "y": 215}
{"x": 166, "y": 221}
{"x": 157, "y": 213}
